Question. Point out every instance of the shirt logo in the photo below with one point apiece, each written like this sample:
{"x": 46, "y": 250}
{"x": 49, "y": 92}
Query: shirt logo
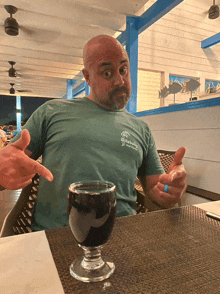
{"x": 126, "y": 141}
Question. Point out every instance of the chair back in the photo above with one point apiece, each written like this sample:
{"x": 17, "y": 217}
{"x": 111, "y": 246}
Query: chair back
{"x": 18, "y": 220}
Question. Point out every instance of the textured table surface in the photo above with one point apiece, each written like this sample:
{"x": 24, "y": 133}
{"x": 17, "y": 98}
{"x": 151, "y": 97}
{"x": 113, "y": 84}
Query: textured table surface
{"x": 168, "y": 251}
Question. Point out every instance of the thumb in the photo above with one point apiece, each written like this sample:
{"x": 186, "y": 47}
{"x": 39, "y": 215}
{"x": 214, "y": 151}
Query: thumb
{"x": 178, "y": 158}
{"x": 24, "y": 141}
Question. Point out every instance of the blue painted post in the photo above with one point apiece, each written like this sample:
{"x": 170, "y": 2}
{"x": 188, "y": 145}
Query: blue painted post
{"x": 79, "y": 89}
{"x": 70, "y": 84}
{"x": 18, "y": 113}
{"x": 207, "y": 43}
{"x": 87, "y": 89}
{"x": 132, "y": 50}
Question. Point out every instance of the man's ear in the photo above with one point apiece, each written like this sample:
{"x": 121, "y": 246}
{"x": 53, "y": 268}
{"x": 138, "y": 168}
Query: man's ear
{"x": 86, "y": 75}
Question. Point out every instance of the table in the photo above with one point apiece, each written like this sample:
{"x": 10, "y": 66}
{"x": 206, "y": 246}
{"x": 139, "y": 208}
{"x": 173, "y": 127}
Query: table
{"x": 169, "y": 251}
{"x": 212, "y": 206}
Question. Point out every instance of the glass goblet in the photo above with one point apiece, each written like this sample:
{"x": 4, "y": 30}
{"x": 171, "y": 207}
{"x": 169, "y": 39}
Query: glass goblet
{"x": 92, "y": 211}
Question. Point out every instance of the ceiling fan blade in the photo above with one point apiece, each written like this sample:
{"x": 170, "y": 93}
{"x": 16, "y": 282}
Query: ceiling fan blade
{"x": 205, "y": 13}
{"x": 22, "y": 91}
{"x": 40, "y": 35}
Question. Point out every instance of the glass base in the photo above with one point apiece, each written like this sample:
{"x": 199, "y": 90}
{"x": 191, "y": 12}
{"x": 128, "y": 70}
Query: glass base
{"x": 79, "y": 272}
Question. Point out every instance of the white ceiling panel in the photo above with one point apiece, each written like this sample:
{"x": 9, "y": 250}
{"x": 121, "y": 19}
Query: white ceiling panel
{"x": 52, "y": 34}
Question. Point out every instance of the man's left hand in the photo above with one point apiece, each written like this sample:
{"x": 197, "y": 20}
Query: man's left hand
{"x": 175, "y": 179}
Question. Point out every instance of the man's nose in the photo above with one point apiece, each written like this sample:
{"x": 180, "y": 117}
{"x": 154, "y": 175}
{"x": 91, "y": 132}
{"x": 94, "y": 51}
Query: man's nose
{"x": 118, "y": 81}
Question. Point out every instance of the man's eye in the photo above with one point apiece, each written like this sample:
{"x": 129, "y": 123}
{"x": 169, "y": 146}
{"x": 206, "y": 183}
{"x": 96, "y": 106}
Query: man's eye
{"x": 123, "y": 70}
{"x": 107, "y": 74}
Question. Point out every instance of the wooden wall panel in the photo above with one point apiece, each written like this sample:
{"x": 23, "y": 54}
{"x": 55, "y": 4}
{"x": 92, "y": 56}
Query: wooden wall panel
{"x": 199, "y": 131}
{"x": 172, "y": 45}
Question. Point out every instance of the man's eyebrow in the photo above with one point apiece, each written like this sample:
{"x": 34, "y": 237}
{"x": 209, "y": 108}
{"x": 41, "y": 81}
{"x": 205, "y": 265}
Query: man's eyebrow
{"x": 105, "y": 64}
{"x": 110, "y": 63}
{"x": 123, "y": 61}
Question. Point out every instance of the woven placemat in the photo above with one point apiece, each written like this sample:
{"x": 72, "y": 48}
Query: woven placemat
{"x": 170, "y": 251}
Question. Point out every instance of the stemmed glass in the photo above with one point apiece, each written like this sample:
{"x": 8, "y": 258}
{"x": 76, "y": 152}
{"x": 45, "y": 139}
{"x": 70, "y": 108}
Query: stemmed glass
{"x": 92, "y": 211}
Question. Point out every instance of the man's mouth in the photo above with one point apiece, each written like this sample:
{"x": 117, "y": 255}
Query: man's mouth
{"x": 121, "y": 93}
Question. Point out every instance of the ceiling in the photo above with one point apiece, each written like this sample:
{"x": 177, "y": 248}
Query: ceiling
{"x": 52, "y": 34}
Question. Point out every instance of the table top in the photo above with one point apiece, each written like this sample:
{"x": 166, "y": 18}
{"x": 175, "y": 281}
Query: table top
{"x": 168, "y": 251}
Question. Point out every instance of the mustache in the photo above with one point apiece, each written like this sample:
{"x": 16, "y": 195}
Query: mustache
{"x": 118, "y": 90}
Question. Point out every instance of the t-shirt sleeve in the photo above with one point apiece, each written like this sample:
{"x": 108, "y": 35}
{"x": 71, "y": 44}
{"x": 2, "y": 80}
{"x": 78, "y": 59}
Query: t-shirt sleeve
{"x": 37, "y": 127}
{"x": 151, "y": 164}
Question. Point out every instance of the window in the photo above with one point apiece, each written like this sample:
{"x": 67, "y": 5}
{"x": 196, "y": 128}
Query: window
{"x": 149, "y": 85}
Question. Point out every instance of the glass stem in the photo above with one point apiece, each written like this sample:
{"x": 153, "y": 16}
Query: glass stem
{"x": 92, "y": 258}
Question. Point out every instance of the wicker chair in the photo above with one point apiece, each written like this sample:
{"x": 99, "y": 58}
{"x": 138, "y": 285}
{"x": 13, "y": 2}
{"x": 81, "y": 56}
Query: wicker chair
{"x": 18, "y": 220}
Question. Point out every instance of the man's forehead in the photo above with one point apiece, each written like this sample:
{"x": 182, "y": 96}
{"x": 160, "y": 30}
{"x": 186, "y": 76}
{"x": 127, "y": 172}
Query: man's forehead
{"x": 106, "y": 51}
{"x": 111, "y": 63}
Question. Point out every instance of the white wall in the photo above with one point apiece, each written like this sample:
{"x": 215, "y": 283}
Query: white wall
{"x": 173, "y": 45}
{"x": 199, "y": 131}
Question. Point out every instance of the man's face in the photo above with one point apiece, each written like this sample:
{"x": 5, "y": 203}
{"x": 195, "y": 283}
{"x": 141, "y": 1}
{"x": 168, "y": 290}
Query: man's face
{"x": 109, "y": 77}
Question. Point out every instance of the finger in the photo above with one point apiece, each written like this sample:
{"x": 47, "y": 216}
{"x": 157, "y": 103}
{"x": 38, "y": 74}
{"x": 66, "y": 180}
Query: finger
{"x": 34, "y": 167}
{"x": 166, "y": 179}
{"x": 24, "y": 140}
{"x": 171, "y": 189}
{"x": 26, "y": 178}
{"x": 23, "y": 172}
{"x": 17, "y": 185}
{"x": 177, "y": 174}
{"x": 25, "y": 184}
{"x": 161, "y": 187}
{"x": 178, "y": 158}
{"x": 172, "y": 197}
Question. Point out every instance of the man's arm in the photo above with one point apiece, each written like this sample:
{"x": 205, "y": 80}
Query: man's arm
{"x": 154, "y": 185}
{"x": 17, "y": 168}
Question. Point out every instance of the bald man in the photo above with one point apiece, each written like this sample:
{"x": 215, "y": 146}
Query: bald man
{"x": 91, "y": 138}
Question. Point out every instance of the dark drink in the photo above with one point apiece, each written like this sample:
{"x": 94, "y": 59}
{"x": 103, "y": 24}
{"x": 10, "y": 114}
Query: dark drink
{"x": 91, "y": 217}
{"x": 92, "y": 211}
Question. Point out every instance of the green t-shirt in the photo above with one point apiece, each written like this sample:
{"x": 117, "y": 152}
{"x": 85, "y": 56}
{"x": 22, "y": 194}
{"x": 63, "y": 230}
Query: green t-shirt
{"x": 79, "y": 140}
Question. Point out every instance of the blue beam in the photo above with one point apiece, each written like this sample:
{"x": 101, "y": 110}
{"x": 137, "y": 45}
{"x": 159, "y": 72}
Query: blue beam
{"x": 64, "y": 97}
{"x": 211, "y": 41}
{"x": 150, "y": 16}
{"x": 132, "y": 50}
{"x": 79, "y": 89}
{"x": 70, "y": 84}
{"x": 155, "y": 12}
{"x": 87, "y": 89}
{"x": 18, "y": 113}
{"x": 122, "y": 38}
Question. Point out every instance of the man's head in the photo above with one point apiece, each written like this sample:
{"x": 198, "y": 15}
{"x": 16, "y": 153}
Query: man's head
{"x": 107, "y": 72}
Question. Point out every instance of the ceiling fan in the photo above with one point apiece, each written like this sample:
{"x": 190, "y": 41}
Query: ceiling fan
{"x": 214, "y": 11}
{"x": 12, "y": 90}
{"x": 11, "y": 25}
{"x": 12, "y": 72}
{"x": 12, "y": 28}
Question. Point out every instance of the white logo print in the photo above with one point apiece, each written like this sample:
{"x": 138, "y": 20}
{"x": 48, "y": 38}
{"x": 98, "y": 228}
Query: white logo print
{"x": 125, "y": 136}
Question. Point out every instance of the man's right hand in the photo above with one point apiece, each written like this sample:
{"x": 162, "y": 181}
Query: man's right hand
{"x": 16, "y": 168}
